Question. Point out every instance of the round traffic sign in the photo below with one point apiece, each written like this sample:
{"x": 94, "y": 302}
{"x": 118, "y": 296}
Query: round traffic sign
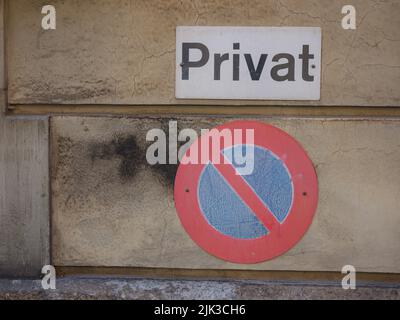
{"x": 246, "y": 217}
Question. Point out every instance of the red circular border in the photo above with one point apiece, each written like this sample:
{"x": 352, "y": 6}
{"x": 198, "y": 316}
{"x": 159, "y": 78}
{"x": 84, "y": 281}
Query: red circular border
{"x": 280, "y": 239}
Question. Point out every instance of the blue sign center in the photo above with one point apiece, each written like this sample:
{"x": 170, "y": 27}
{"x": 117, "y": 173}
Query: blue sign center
{"x": 227, "y": 212}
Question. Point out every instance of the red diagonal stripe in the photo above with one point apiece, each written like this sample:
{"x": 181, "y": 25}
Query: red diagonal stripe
{"x": 247, "y": 194}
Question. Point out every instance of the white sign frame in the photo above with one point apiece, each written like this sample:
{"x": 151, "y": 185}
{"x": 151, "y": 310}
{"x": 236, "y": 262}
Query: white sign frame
{"x": 261, "y": 45}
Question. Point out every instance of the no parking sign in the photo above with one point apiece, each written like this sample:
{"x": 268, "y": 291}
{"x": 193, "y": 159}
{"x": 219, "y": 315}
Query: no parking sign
{"x": 248, "y": 218}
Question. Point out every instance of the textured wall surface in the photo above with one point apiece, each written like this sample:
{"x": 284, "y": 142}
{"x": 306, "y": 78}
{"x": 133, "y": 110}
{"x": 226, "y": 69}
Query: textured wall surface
{"x": 24, "y": 189}
{"x": 110, "y": 208}
{"x": 24, "y": 197}
{"x": 123, "y": 51}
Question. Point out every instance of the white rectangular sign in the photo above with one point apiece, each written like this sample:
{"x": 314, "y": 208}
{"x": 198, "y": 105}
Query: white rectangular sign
{"x": 266, "y": 63}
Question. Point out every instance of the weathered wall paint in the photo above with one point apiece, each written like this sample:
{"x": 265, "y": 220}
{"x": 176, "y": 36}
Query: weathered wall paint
{"x": 123, "y": 51}
{"x": 24, "y": 197}
{"x": 24, "y": 189}
{"x": 110, "y": 208}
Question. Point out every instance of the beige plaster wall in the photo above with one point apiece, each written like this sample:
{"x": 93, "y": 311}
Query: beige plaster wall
{"x": 24, "y": 188}
{"x": 110, "y": 208}
{"x": 123, "y": 51}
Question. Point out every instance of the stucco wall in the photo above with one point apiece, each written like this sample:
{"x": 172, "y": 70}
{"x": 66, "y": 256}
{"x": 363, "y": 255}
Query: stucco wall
{"x": 24, "y": 188}
{"x": 110, "y": 208}
{"x": 123, "y": 51}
